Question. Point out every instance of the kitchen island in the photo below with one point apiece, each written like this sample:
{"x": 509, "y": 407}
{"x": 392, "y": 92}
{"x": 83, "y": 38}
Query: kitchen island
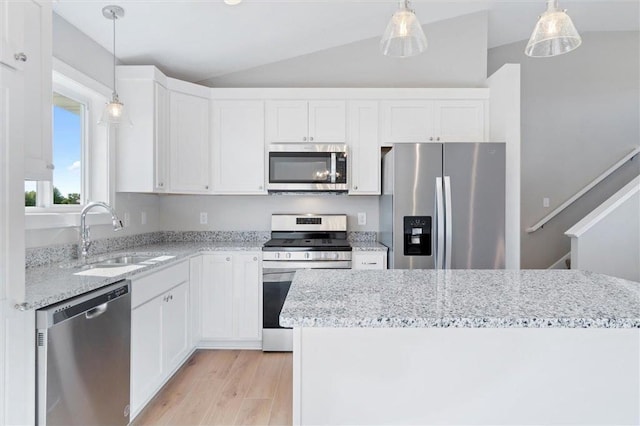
{"x": 464, "y": 347}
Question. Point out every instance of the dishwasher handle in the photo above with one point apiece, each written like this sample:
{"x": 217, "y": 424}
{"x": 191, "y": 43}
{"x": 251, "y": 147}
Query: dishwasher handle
{"x": 97, "y": 311}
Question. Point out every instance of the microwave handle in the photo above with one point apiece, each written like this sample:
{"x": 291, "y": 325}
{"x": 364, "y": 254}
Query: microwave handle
{"x": 333, "y": 167}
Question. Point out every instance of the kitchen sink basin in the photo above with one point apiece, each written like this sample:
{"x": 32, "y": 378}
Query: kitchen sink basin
{"x": 123, "y": 260}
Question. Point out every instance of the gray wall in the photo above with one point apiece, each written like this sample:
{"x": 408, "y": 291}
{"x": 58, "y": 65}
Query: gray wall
{"x": 253, "y": 213}
{"x": 456, "y": 57}
{"x": 580, "y": 114}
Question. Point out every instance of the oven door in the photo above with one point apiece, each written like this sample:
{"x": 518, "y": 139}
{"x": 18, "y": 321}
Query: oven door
{"x": 302, "y": 167}
{"x": 276, "y": 281}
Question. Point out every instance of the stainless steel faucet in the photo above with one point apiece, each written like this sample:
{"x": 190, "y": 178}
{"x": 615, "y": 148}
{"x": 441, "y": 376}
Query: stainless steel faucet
{"x": 84, "y": 229}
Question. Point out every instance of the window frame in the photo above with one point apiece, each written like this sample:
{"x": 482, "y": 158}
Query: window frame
{"x": 96, "y": 184}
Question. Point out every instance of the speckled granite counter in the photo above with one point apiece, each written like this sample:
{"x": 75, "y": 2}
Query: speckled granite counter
{"x": 367, "y": 246}
{"x": 56, "y": 282}
{"x": 461, "y": 298}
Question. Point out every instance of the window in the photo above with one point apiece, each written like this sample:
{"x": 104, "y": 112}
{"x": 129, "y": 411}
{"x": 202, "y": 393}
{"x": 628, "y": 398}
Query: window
{"x": 83, "y": 153}
{"x": 69, "y": 116}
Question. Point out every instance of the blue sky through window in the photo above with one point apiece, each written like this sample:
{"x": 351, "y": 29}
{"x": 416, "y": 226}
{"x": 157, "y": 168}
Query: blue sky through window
{"x": 67, "y": 150}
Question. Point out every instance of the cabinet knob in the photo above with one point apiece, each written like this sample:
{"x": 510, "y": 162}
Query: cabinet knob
{"x": 20, "y": 57}
{"x": 311, "y": 138}
{"x": 304, "y": 139}
{"x": 228, "y": 259}
{"x": 438, "y": 138}
{"x": 206, "y": 187}
{"x": 51, "y": 167}
{"x": 260, "y": 187}
{"x": 255, "y": 258}
{"x": 431, "y": 138}
{"x": 355, "y": 187}
{"x": 161, "y": 184}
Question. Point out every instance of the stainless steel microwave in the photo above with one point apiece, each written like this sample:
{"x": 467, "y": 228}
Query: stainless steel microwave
{"x": 307, "y": 167}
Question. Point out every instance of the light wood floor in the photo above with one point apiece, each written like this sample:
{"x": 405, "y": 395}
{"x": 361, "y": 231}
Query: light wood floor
{"x": 217, "y": 387}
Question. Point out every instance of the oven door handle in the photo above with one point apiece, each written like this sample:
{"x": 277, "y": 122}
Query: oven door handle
{"x": 323, "y": 264}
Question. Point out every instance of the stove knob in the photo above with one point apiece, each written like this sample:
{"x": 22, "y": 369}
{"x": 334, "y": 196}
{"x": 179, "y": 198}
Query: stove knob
{"x": 336, "y": 256}
{"x": 277, "y": 255}
{"x": 288, "y": 255}
{"x": 306, "y": 255}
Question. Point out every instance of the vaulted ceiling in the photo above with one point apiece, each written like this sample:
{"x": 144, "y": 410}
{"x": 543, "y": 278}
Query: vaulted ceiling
{"x": 197, "y": 40}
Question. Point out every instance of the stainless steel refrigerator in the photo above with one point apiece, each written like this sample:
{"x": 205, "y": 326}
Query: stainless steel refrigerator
{"x": 443, "y": 206}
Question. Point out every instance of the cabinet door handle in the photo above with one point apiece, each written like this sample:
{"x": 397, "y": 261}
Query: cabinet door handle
{"x": 369, "y": 263}
{"x": 20, "y": 57}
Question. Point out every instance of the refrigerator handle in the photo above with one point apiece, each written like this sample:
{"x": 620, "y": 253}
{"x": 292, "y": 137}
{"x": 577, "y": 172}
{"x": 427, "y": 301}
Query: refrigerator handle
{"x": 448, "y": 222}
{"x": 440, "y": 223}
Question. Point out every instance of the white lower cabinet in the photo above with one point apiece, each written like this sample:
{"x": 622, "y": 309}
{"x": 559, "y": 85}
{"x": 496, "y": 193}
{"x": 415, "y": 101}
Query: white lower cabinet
{"x": 231, "y": 300}
{"x": 369, "y": 260}
{"x": 160, "y": 330}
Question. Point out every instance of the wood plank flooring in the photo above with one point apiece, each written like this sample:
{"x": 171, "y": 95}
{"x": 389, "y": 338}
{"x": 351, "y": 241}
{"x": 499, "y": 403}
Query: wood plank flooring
{"x": 217, "y": 387}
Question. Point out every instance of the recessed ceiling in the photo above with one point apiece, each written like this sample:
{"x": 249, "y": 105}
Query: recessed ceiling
{"x": 197, "y": 40}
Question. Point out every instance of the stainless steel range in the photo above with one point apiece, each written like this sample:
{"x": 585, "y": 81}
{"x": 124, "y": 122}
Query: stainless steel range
{"x": 306, "y": 241}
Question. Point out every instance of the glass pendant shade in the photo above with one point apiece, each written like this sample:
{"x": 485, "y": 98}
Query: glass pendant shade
{"x": 554, "y": 34}
{"x": 404, "y": 36}
{"x": 114, "y": 113}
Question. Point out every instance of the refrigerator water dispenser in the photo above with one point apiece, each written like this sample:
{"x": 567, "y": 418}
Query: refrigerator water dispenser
{"x": 417, "y": 235}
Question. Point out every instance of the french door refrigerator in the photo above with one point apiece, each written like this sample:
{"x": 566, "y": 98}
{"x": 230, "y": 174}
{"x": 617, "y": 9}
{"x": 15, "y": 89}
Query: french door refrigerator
{"x": 443, "y": 206}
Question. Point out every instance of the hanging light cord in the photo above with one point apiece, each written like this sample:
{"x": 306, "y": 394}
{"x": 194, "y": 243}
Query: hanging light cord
{"x": 114, "y": 17}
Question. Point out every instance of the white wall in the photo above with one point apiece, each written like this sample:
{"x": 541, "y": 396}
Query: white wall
{"x": 456, "y": 57}
{"x": 253, "y": 213}
{"x": 608, "y": 240}
{"x": 580, "y": 114}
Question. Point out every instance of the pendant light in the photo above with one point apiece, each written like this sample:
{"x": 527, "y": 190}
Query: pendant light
{"x": 114, "y": 112}
{"x": 404, "y": 36}
{"x": 554, "y": 33}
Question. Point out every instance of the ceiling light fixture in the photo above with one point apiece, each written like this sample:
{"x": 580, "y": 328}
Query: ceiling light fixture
{"x": 232, "y": 2}
{"x": 114, "y": 112}
{"x": 554, "y": 33}
{"x": 404, "y": 36}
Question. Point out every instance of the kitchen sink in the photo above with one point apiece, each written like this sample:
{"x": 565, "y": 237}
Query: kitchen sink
{"x": 114, "y": 262}
{"x": 123, "y": 260}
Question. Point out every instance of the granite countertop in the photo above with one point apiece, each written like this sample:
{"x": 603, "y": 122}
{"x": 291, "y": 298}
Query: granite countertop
{"x": 367, "y": 246}
{"x": 53, "y": 283}
{"x": 461, "y": 298}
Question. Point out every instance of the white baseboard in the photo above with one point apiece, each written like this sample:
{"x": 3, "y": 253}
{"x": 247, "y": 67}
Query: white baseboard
{"x": 227, "y": 344}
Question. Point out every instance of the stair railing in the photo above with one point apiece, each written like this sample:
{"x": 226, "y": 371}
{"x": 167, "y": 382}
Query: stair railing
{"x": 584, "y": 190}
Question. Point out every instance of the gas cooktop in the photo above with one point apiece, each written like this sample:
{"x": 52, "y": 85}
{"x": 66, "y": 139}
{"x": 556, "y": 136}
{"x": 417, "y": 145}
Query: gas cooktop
{"x": 308, "y": 244}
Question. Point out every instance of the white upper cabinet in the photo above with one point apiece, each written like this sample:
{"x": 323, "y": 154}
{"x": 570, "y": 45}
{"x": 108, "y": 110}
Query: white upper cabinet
{"x": 327, "y": 121}
{"x": 36, "y": 48}
{"x": 12, "y": 30}
{"x": 237, "y": 129}
{"x": 142, "y": 148}
{"x": 306, "y": 121}
{"x": 460, "y": 121}
{"x": 433, "y": 121}
{"x": 407, "y": 121}
{"x": 190, "y": 156}
{"x": 364, "y": 177}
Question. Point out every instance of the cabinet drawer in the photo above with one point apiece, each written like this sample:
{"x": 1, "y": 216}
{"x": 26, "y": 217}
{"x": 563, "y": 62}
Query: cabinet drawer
{"x": 369, "y": 261}
{"x": 146, "y": 288}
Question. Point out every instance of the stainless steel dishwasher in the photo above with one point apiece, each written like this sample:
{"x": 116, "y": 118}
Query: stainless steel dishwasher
{"x": 83, "y": 357}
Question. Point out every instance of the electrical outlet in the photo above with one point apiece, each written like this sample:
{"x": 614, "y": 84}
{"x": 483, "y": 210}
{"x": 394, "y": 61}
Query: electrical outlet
{"x": 203, "y": 218}
{"x": 143, "y": 218}
{"x": 545, "y": 202}
{"x": 362, "y": 218}
{"x": 127, "y": 219}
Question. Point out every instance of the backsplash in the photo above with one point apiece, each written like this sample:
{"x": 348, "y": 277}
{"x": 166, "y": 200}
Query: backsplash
{"x": 40, "y": 256}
